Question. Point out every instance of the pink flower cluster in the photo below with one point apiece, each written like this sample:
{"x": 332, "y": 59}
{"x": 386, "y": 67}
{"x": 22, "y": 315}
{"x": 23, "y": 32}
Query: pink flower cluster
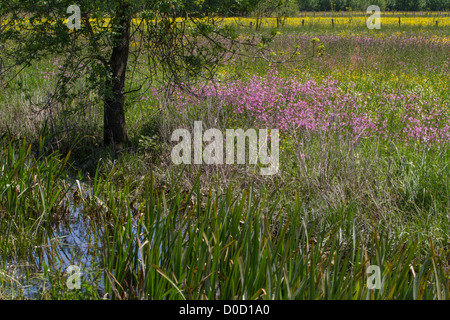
{"x": 289, "y": 104}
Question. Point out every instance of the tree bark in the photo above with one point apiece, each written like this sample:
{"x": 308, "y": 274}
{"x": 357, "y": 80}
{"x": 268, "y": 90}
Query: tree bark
{"x": 114, "y": 105}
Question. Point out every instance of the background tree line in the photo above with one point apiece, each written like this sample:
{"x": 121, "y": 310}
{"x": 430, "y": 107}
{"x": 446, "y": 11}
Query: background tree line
{"x": 399, "y": 5}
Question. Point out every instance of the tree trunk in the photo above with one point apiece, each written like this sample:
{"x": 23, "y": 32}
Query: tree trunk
{"x": 114, "y": 113}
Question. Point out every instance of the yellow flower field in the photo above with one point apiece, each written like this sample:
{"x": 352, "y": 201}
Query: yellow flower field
{"x": 353, "y": 21}
{"x": 343, "y": 21}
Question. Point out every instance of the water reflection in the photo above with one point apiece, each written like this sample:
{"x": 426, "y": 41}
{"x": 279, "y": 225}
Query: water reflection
{"x": 70, "y": 242}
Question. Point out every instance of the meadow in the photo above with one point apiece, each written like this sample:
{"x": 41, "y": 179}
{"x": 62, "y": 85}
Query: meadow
{"x": 363, "y": 178}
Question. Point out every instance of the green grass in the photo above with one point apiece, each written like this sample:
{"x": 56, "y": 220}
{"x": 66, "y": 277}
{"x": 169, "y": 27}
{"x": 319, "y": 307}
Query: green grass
{"x": 32, "y": 190}
{"x": 258, "y": 245}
